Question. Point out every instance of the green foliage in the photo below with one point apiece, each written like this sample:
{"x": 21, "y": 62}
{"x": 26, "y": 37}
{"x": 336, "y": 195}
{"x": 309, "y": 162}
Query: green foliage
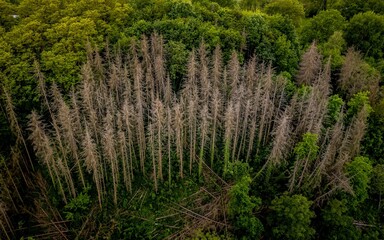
{"x": 307, "y": 148}
{"x": 285, "y": 54}
{"x": 180, "y": 9}
{"x": 338, "y": 224}
{"x": 7, "y": 9}
{"x": 291, "y": 9}
{"x": 207, "y": 236}
{"x": 78, "y": 207}
{"x": 365, "y": 31}
{"x": 378, "y": 179}
{"x": 227, "y": 3}
{"x": 177, "y": 58}
{"x": 285, "y": 44}
{"x": 240, "y": 210}
{"x": 350, "y": 8}
{"x": 256, "y": 26}
{"x": 322, "y": 26}
{"x": 227, "y": 155}
{"x": 272, "y": 38}
{"x": 335, "y": 104}
{"x": 333, "y": 48}
{"x": 252, "y": 4}
{"x": 237, "y": 170}
{"x": 373, "y": 145}
{"x": 312, "y": 7}
{"x": 291, "y": 217}
{"x": 27, "y": 238}
{"x": 360, "y": 172}
{"x": 358, "y": 102}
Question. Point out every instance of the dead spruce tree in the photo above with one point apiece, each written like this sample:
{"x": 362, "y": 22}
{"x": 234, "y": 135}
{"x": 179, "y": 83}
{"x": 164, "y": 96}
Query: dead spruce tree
{"x": 356, "y": 76}
{"x": 92, "y": 163}
{"x": 65, "y": 122}
{"x": 139, "y": 105}
{"x": 310, "y": 66}
{"x": 42, "y": 145}
{"x": 15, "y": 126}
{"x": 178, "y": 123}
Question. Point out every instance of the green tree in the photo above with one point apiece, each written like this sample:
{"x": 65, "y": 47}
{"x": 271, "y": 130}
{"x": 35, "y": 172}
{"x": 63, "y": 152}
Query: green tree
{"x": 373, "y": 145}
{"x": 68, "y": 38}
{"x": 360, "y": 172}
{"x": 177, "y": 58}
{"x": 335, "y": 104}
{"x": 312, "y": 7}
{"x": 307, "y": 148}
{"x": 291, "y": 9}
{"x": 305, "y": 153}
{"x": 241, "y": 205}
{"x": 378, "y": 179}
{"x": 253, "y": 4}
{"x": 365, "y": 31}
{"x": 349, "y": 8}
{"x": 333, "y": 49}
{"x": 286, "y": 57}
{"x": 180, "y": 9}
{"x": 322, "y": 26}
{"x": 337, "y": 222}
{"x": 7, "y": 10}
{"x": 285, "y": 44}
{"x": 291, "y": 217}
{"x": 226, "y": 3}
{"x": 357, "y": 102}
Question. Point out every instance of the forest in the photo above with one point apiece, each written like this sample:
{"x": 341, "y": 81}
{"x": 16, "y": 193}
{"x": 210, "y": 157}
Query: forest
{"x": 191, "y": 119}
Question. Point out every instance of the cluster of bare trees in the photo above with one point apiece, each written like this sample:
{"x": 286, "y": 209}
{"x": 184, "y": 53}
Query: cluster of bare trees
{"x": 356, "y": 75}
{"x": 125, "y": 120}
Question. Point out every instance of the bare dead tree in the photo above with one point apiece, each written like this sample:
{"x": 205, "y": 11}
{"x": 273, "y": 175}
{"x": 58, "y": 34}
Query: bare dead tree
{"x": 148, "y": 67}
{"x": 109, "y": 150}
{"x": 158, "y": 55}
{"x": 204, "y": 126}
{"x": 66, "y": 124}
{"x": 178, "y": 124}
{"x": 88, "y": 102}
{"x": 216, "y": 108}
{"x": 357, "y": 76}
{"x": 170, "y": 138}
{"x": 192, "y": 126}
{"x": 15, "y": 126}
{"x": 151, "y": 144}
{"x": 282, "y": 142}
{"x": 139, "y": 105}
{"x": 158, "y": 119}
{"x": 254, "y": 114}
{"x": 323, "y": 166}
{"x": 204, "y": 79}
{"x": 123, "y": 153}
{"x": 310, "y": 66}
{"x": 92, "y": 163}
{"x": 234, "y": 71}
{"x": 5, "y": 223}
{"x": 216, "y": 69}
{"x": 355, "y": 133}
{"x": 43, "y": 149}
{"x": 229, "y": 126}
{"x": 129, "y": 118}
